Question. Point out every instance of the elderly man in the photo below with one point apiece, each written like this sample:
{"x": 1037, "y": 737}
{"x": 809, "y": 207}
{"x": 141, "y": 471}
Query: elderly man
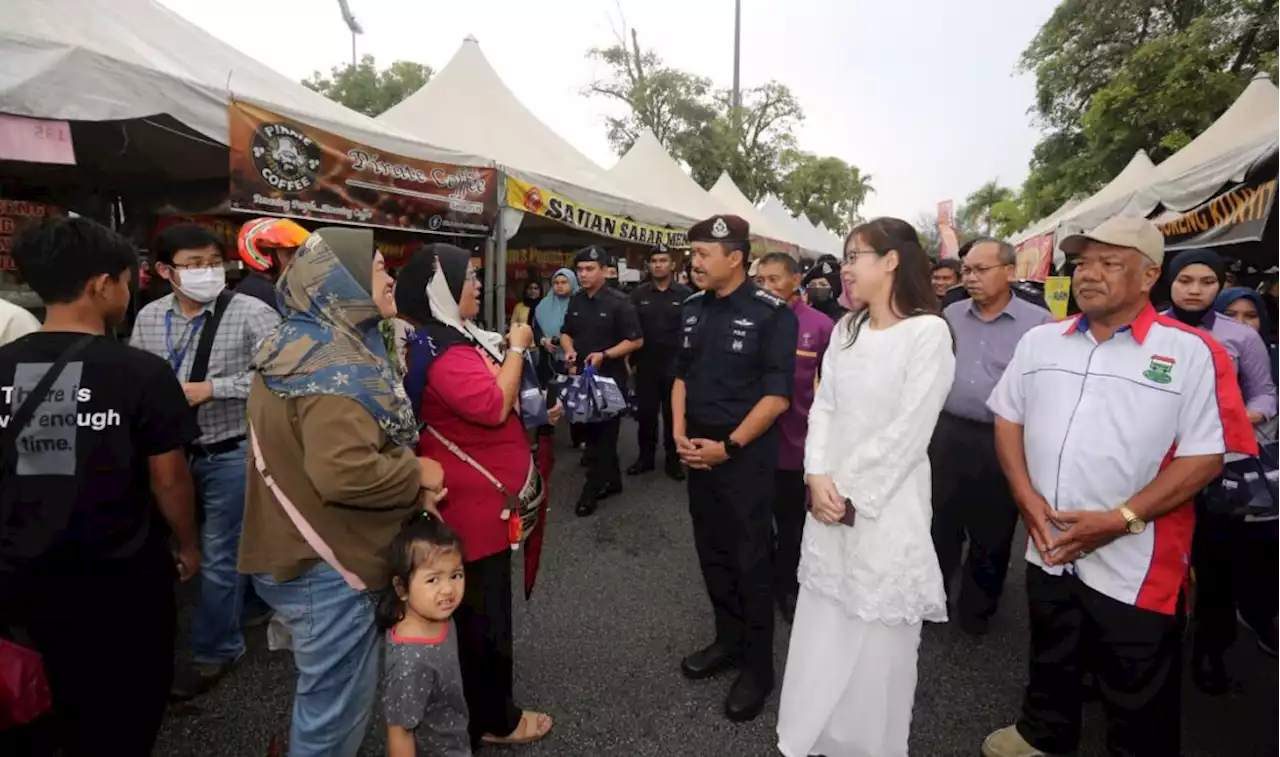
{"x": 970, "y": 494}
{"x": 1107, "y": 425}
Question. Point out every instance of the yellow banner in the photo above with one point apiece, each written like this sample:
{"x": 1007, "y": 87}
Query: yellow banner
{"x": 543, "y": 202}
{"x": 1057, "y": 290}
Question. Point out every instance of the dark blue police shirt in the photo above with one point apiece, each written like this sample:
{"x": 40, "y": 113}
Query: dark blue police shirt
{"x": 596, "y": 323}
{"x": 734, "y": 350}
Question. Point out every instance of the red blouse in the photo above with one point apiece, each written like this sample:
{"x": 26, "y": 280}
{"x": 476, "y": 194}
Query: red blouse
{"x": 462, "y": 401}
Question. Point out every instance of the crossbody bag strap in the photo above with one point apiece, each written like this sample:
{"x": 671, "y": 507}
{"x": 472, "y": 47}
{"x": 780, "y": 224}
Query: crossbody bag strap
{"x": 204, "y": 347}
{"x": 309, "y": 534}
{"x": 19, "y": 420}
{"x": 469, "y": 460}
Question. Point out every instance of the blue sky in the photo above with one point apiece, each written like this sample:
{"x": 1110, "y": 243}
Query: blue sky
{"x": 921, "y": 94}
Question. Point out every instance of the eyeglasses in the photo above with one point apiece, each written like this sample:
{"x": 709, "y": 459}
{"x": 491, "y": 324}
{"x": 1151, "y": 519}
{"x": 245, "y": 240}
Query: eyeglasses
{"x": 851, "y": 256}
{"x": 201, "y": 265}
{"x": 977, "y": 270}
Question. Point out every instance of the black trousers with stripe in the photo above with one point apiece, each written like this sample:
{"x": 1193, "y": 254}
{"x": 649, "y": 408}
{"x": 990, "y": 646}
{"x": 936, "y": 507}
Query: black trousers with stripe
{"x": 1134, "y": 654}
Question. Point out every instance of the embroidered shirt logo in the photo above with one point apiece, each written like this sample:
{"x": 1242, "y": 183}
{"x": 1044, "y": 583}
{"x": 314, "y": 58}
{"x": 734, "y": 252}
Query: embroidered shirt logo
{"x": 737, "y": 345}
{"x": 1160, "y": 370}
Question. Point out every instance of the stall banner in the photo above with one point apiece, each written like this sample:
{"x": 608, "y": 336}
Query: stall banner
{"x": 543, "y": 202}
{"x": 14, "y": 217}
{"x": 282, "y": 167}
{"x": 1237, "y": 215}
{"x": 1057, "y": 292}
{"x": 1035, "y": 258}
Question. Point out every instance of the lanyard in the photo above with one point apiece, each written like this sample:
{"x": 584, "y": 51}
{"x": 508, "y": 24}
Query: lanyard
{"x": 184, "y": 342}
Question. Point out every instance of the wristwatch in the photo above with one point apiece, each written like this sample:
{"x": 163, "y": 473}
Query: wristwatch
{"x": 518, "y": 350}
{"x": 731, "y": 448}
{"x": 1132, "y": 522}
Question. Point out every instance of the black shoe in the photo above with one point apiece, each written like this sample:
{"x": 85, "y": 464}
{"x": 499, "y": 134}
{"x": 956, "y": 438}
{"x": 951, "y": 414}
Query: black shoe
{"x": 609, "y": 490}
{"x": 639, "y": 467}
{"x": 1210, "y": 674}
{"x": 675, "y": 471}
{"x": 199, "y": 678}
{"x": 708, "y": 662}
{"x": 787, "y": 606}
{"x": 747, "y": 696}
{"x": 587, "y": 505}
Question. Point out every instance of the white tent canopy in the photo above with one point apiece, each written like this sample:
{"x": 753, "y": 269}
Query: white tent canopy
{"x": 1046, "y": 224}
{"x": 824, "y": 241}
{"x": 467, "y": 107}
{"x": 1111, "y": 199}
{"x": 777, "y": 213}
{"x": 107, "y": 60}
{"x": 727, "y": 194}
{"x": 1245, "y": 135}
{"x": 649, "y": 173}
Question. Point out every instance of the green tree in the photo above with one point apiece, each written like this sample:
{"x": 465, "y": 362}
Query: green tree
{"x": 826, "y": 189}
{"x": 978, "y": 207}
{"x": 749, "y": 143}
{"x": 671, "y": 103}
{"x": 366, "y": 89}
{"x": 1113, "y": 76}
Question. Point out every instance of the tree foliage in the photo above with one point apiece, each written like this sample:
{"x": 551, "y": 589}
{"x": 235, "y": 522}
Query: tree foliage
{"x": 697, "y": 123}
{"x": 366, "y": 89}
{"x": 978, "y": 209}
{"x": 1115, "y": 76}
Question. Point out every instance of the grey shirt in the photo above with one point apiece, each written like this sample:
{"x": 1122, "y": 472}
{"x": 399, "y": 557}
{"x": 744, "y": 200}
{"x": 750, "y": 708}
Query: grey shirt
{"x": 422, "y": 693}
{"x": 983, "y": 350}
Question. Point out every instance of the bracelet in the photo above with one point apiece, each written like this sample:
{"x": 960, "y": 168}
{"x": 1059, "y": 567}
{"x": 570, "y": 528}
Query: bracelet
{"x": 518, "y": 350}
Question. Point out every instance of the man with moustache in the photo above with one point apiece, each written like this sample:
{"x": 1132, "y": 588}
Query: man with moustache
{"x": 734, "y": 376}
{"x": 970, "y": 494}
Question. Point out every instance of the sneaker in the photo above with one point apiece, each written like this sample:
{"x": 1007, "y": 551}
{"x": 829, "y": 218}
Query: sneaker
{"x": 1007, "y": 742}
{"x": 200, "y": 677}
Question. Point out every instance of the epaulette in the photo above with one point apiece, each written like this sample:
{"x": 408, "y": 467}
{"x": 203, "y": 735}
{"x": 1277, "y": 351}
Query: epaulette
{"x": 693, "y": 297}
{"x": 770, "y": 298}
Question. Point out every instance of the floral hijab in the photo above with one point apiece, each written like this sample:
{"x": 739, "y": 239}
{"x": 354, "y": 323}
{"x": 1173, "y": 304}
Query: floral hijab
{"x": 330, "y": 342}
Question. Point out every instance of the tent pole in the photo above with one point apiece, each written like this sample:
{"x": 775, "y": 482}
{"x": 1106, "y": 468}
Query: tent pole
{"x": 490, "y": 254}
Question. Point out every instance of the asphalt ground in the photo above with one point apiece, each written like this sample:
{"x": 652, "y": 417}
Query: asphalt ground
{"x": 619, "y": 601}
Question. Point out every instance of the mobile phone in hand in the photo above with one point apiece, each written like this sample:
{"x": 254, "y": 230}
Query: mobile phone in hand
{"x": 848, "y": 513}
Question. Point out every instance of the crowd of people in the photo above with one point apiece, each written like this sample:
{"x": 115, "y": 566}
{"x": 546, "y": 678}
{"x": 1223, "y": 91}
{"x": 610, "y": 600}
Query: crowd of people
{"x": 858, "y": 440}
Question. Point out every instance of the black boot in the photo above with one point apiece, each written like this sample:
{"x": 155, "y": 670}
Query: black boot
{"x": 747, "y": 695}
{"x": 710, "y": 661}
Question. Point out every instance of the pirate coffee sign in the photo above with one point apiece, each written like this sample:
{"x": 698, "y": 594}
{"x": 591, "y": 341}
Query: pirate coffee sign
{"x": 285, "y": 168}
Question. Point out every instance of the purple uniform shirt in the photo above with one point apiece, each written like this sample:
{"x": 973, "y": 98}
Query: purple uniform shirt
{"x": 811, "y": 345}
{"x": 983, "y": 351}
{"x": 1253, "y": 362}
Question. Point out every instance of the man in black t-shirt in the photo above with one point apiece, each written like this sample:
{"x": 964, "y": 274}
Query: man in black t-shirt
{"x": 85, "y": 567}
{"x": 657, "y": 303}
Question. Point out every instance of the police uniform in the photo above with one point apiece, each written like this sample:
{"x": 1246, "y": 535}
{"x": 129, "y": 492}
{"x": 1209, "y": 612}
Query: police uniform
{"x": 659, "y": 314}
{"x": 735, "y": 350}
{"x": 596, "y": 323}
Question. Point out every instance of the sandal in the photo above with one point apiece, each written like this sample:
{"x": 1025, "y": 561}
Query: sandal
{"x": 533, "y": 726}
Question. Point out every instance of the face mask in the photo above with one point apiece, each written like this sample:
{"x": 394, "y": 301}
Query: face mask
{"x": 203, "y": 284}
{"x": 819, "y": 294}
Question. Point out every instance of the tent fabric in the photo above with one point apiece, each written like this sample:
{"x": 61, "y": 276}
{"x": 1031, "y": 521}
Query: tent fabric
{"x": 825, "y": 242}
{"x": 725, "y": 192}
{"x": 1110, "y": 200}
{"x": 1046, "y": 224}
{"x": 649, "y": 173}
{"x": 467, "y": 107}
{"x": 812, "y": 244}
{"x": 116, "y": 60}
{"x": 1242, "y": 137}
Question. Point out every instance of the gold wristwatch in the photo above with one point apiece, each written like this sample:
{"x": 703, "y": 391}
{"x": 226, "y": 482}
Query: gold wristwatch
{"x": 1132, "y": 522}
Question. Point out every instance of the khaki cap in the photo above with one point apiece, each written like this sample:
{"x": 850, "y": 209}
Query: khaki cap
{"x": 1133, "y": 232}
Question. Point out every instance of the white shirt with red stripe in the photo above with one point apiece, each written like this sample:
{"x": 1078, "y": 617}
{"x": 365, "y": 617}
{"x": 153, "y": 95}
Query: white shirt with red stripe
{"x": 1101, "y": 420}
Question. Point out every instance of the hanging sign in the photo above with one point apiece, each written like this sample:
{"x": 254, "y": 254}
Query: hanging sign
{"x": 1057, "y": 293}
{"x": 284, "y": 167}
{"x": 36, "y": 140}
{"x": 1237, "y": 215}
{"x": 1035, "y": 258}
{"x": 543, "y": 202}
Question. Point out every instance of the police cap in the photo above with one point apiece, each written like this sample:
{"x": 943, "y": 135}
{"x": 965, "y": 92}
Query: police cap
{"x": 727, "y": 229}
{"x": 592, "y": 254}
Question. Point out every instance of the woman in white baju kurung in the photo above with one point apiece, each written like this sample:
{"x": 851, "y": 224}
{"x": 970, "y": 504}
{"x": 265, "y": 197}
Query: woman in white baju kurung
{"x": 865, "y": 589}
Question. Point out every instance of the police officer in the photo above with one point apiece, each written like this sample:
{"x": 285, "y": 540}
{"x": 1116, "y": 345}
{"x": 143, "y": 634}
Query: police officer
{"x": 734, "y": 372}
{"x": 600, "y": 330}
{"x": 657, "y": 302}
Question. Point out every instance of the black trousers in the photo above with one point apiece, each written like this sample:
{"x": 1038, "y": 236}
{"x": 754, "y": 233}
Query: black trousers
{"x": 107, "y": 638}
{"x": 602, "y": 452}
{"x": 485, "y": 648}
{"x": 788, "y": 523}
{"x": 1235, "y": 566}
{"x": 653, "y": 395}
{"x": 1135, "y": 655}
{"x": 732, "y": 511}
{"x": 971, "y": 499}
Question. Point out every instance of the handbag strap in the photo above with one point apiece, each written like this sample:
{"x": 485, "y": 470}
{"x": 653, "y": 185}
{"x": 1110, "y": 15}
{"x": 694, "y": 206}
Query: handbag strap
{"x": 469, "y": 460}
{"x": 19, "y": 420}
{"x": 204, "y": 347}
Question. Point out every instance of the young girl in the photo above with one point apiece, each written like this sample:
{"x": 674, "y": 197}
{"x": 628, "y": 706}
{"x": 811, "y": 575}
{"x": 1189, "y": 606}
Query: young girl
{"x": 421, "y": 681}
